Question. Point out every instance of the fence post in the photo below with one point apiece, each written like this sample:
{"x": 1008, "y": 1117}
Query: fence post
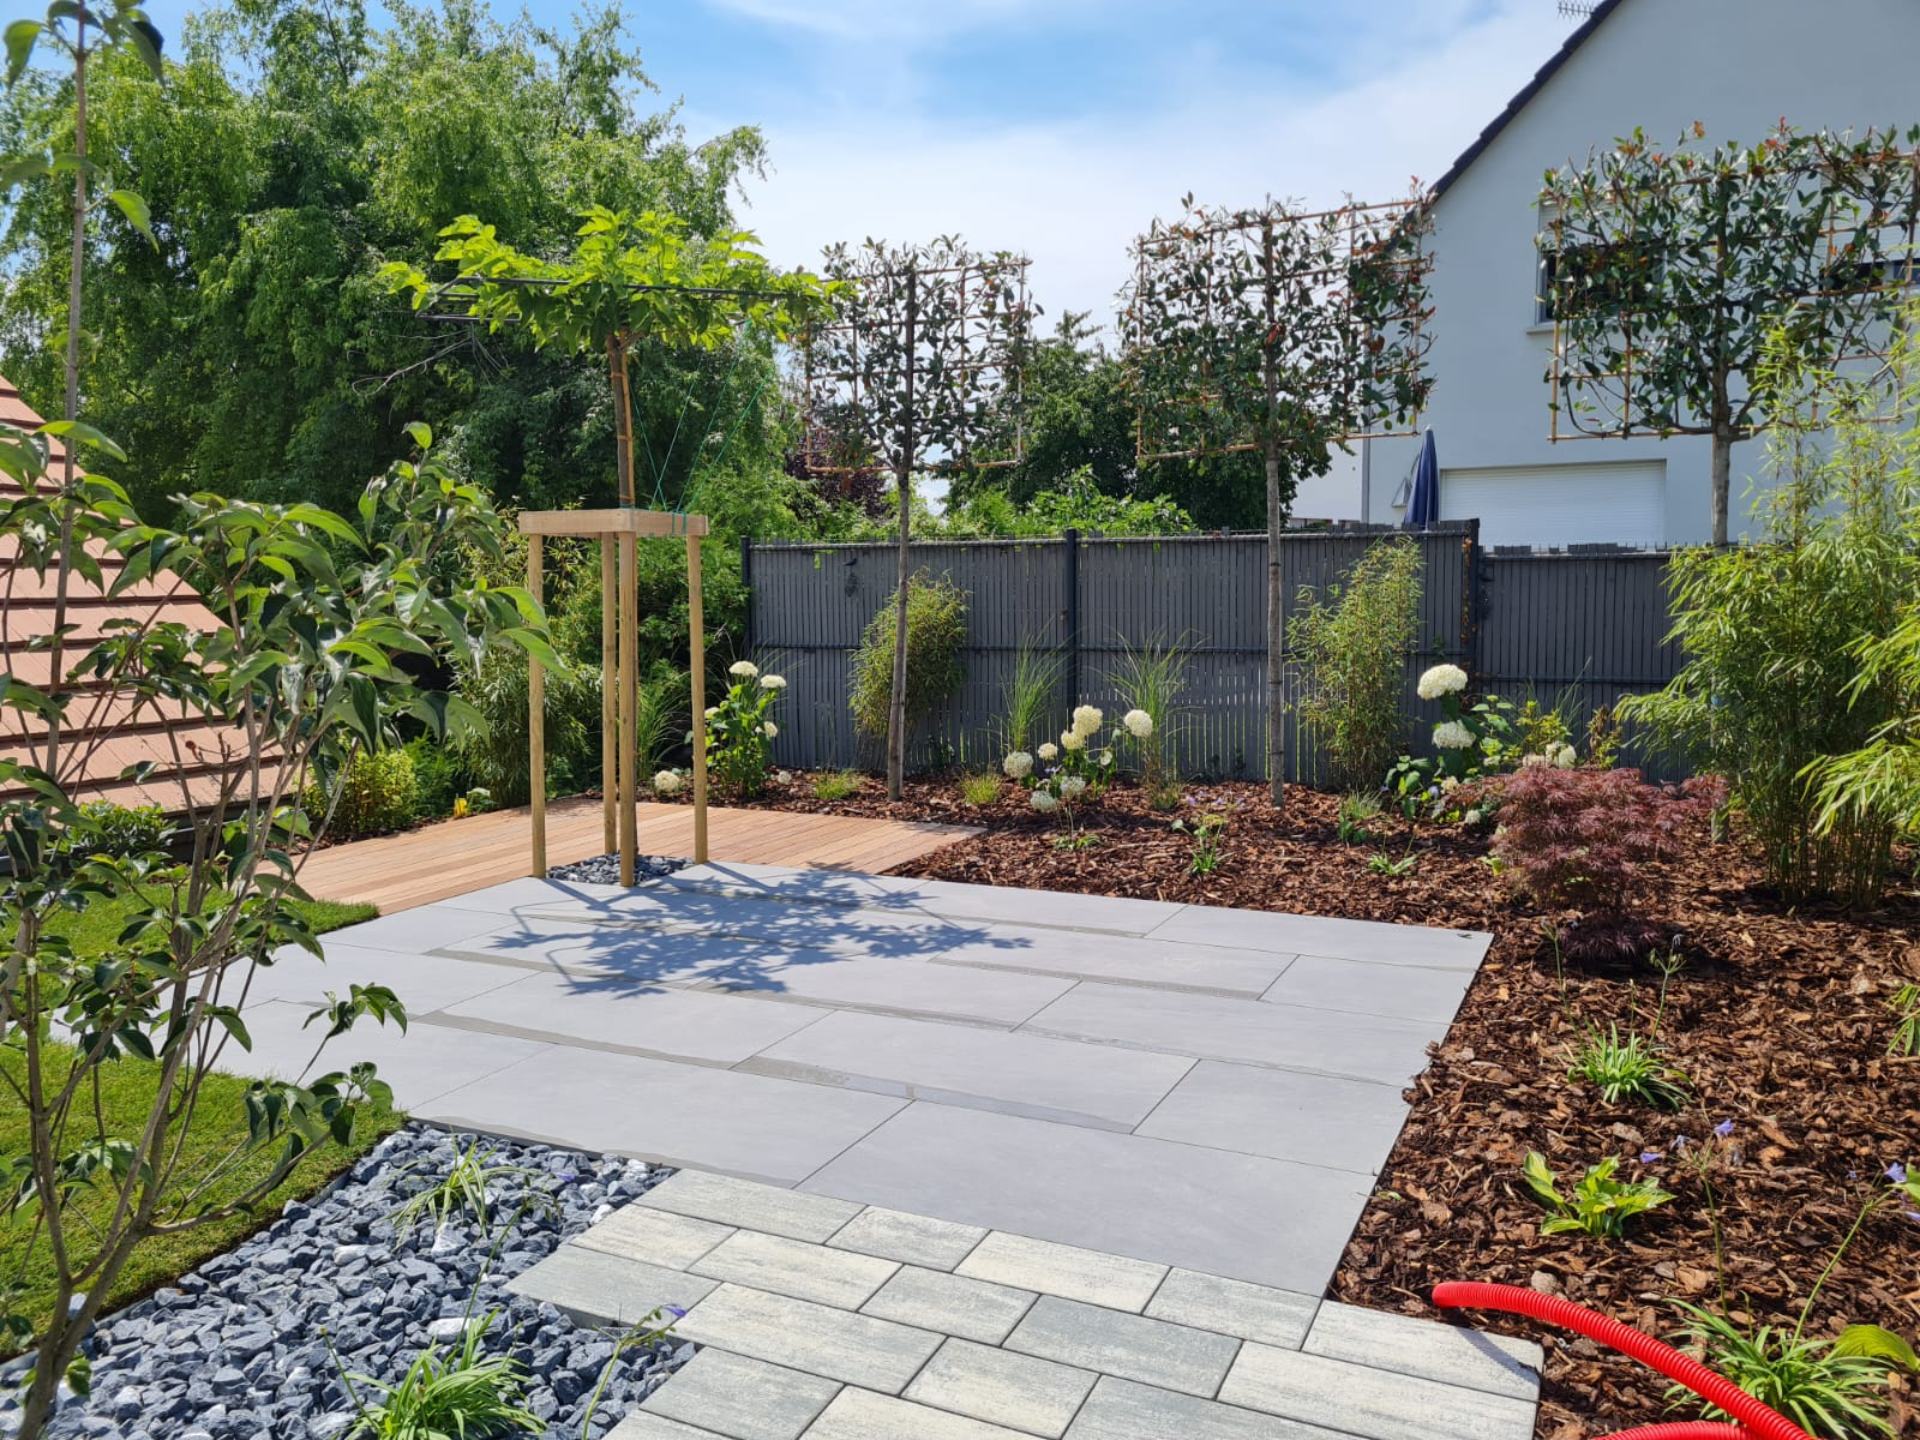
{"x": 1471, "y": 600}
{"x": 746, "y": 583}
{"x": 1072, "y": 561}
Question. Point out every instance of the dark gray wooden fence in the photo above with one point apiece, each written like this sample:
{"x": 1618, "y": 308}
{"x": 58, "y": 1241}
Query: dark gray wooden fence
{"x": 1583, "y": 628}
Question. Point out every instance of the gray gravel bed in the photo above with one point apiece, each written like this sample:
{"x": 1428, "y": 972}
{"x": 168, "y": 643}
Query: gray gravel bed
{"x": 252, "y": 1345}
{"x": 605, "y": 869}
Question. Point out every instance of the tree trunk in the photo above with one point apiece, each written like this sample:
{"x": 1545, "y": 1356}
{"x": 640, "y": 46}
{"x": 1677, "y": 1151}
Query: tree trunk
{"x": 1276, "y": 635}
{"x": 622, "y": 416}
{"x": 903, "y": 475}
{"x": 1722, "y": 478}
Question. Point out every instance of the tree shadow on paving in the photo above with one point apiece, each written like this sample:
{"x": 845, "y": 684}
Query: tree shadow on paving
{"x": 666, "y": 936}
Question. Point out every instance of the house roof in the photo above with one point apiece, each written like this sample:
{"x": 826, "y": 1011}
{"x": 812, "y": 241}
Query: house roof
{"x": 104, "y": 733}
{"x": 1519, "y": 102}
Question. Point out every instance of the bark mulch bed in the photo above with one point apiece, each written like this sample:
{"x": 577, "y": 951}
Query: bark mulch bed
{"x": 1779, "y": 1019}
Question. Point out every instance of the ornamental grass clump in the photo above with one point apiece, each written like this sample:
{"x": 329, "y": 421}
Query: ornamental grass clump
{"x": 936, "y": 637}
{"x": 1349, "y": 649}
{"x": 1578, "y": 838}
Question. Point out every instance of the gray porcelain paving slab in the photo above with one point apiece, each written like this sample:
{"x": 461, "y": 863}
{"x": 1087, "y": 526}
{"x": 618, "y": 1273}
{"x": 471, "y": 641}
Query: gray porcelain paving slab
{"x": 913, "y": 987}
{"x": 1021, "y": 1074}
{"x": 862, "y": 1415}
{"x": 639, "y": 957}
{"x": 860, "y": 930}
{"x": 1275, "y": 933}
{"x": 789, "y": 883}
{"x": 1286, "y": 1114}
{"x": 683, "y": 1115}
{"x": 422, "y": 1063}
{"x": 1233, "y": 1307}
{"x": 658, "y": 1237}
{"x": 740, "y": 1398}
{"x": 424, "y": 983}
{"x": 641, "y": 1426}
{"x": 726, "y": 1200}
{"x": 511, "y": 897}
{"x": 1002, "y": 1388}
{"x": 1246, "y": 1217}
{"x": 1124, "y": 1410}
{"x": 596, "y": 1288}
{"x": 1050, "y": 1268}
{"x": 1452, "y": 1354}
{"x": 1122, "y": 959}
{"x": 675, "y": 1024}
{"x": 1132, "y": 1347}
{"x": 1374, "y": 1403}
{"x": 915, "y": 1239}
{"x": 1010, "y": 905}
{"x": 1212, "y": 1027}
{"x": 951, "y": 1304}
{"x": 799, "y": 1268}
{"x": 1366, "y": 987}
{"x": 836, "y": 1345}
{"x": 413, "y": 932}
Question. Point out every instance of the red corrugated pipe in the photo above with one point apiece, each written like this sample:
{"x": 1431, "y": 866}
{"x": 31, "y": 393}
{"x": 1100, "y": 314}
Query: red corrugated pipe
{"x": 1685, "y": 1430}
{"x": 1758, "y": 1420}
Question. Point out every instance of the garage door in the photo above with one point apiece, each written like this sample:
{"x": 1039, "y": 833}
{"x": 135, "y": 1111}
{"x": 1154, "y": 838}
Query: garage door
{"x": 1621, "y": 503}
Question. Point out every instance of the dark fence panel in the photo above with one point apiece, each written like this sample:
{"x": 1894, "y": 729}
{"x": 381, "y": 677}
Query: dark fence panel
{"x": 1586, "y": 628}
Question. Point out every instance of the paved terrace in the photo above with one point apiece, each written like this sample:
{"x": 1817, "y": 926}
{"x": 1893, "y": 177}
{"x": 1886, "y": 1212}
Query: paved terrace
{"x": 1204, "y": 1088}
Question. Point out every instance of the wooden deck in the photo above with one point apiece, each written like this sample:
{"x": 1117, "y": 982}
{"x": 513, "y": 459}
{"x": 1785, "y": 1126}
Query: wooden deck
{"x": 440, "y": 861}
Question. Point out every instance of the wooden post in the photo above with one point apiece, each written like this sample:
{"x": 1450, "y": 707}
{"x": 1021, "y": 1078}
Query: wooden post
{"x": 697, "y": 671}
{"x": 629, "y": 665}
{"x": 537, "y": 723}
{"x": 609, "y": 694}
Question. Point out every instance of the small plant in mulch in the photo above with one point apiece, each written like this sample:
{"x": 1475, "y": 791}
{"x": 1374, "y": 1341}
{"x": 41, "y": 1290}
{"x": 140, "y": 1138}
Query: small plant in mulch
{"x": 1633, "y": 1067}
{"x": 980, "y": 790}
{"x": 1207, "y": 829}
{"x": 1905, "y": 1006}
{"x": 1359, "y": 809}
{"x": 1385, "y": 865}
{"x": 837, "y": 785}
{"x": 1598, "y": 1203}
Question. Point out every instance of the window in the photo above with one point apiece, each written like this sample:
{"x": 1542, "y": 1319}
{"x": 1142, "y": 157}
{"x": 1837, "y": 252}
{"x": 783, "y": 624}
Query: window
{"x": 1545, "y": 271}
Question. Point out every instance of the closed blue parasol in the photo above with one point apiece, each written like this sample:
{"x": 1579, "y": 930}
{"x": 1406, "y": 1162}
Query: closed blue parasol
{"x": 1423, "y": 494}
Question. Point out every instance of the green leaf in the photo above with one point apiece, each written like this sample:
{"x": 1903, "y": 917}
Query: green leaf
{"x": 138, "y": 215}
{"x": 22, "y": 35}
{"x": 1875, "y": 1343}
{"x": 420, "y": 433}
{"x": 85, "y": 434}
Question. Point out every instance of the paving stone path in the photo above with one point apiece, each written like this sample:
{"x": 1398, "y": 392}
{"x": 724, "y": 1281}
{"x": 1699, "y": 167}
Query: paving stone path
{"x": 823, "y": 1318}
{"x": 1207, "y": 1088}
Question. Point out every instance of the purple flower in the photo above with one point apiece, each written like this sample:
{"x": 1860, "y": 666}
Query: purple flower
{"x": 567, "y": 1177}
{"x": 1679, "y": 1142}
{"x": 1651, "y": 1157}
{"x": 1723, "y": 1129}
{"x": 1913, "y": 1214}
{"x": 1897, "y": 1173}
{"x": 679, "y": 1312}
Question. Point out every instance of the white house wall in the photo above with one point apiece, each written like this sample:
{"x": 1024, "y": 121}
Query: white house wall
{"x": 1738, "y": 66}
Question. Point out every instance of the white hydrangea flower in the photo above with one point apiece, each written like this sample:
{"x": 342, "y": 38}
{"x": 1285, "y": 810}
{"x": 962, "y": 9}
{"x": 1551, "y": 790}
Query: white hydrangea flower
{"x": 712, "y": 710}
{"x": 773, "y": 682}
{"x": 667, "y": 782}
{"x": 1087, "y": 719}
{"x": 1043, "y": 801}
{"x": 1072, "y": 740}
{"x": 1449, "y": 784}
{"x": 769, "y": 729}
{"x": 1564, "y": 756}
{"x": 1048, "y": 752}
{"x": 1534, "y": 762}
{"x": 1473, "y": 817}
{"x": 1105, "y": 757}
{"x": 1452, "y": 735}
{"x": 1071, "y": 787}
{"x": 1139, "y": 724}
{"x": 1017, "y": 766}
{"x": 784, "y": 777}
{"x": 743, "y": 670}
{"x": 1442, "y": 680}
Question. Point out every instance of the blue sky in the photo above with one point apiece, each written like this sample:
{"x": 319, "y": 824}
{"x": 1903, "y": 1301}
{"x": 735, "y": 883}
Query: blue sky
{"x": 1061, "y": 127}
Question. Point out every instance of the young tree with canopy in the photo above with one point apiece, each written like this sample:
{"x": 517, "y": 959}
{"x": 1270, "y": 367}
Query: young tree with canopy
{"x": 1280, "y": 333}
{"x": 1668, "y": 272}
{"x": 919, "y": 370}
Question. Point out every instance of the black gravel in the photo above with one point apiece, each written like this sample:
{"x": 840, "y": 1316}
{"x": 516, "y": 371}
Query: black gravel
{"x": 605, "y": 869}
{"x": 252, "y": 1345}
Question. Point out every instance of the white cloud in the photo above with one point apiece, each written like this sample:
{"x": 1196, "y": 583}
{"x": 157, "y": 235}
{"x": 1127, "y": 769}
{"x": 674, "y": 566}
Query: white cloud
{"x": 913, "y": 22}
{"x": 1073, "y": 194}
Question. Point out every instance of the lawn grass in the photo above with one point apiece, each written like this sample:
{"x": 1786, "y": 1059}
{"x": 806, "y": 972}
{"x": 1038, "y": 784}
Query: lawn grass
{"x": 126, "y": 1092}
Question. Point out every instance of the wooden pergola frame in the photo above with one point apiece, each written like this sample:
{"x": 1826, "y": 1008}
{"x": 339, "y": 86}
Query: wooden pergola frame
{"x": 619, "y": 533}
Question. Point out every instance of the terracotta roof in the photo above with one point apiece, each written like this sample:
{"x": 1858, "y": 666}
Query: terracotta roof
{"x": 1532, "y": 88}
{"x": 104, "y": 733}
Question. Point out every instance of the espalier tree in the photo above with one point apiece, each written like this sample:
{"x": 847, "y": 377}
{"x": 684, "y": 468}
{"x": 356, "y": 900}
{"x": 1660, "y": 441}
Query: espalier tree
{"x": 319, "y": 622}
{"x": 1668, "y": 271}
{"x": 918, "y": 371}
{"x": 631, "y": 279}
{"x": 1282, "y": 333}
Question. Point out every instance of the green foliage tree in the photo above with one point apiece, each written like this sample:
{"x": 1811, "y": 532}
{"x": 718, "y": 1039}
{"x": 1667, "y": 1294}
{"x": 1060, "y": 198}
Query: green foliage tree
{"x": 1281, "y": 334}
{"x": 1351, "y": 647}
{"x": 1667, "y": 270}
{"x": 295, "y": 148}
